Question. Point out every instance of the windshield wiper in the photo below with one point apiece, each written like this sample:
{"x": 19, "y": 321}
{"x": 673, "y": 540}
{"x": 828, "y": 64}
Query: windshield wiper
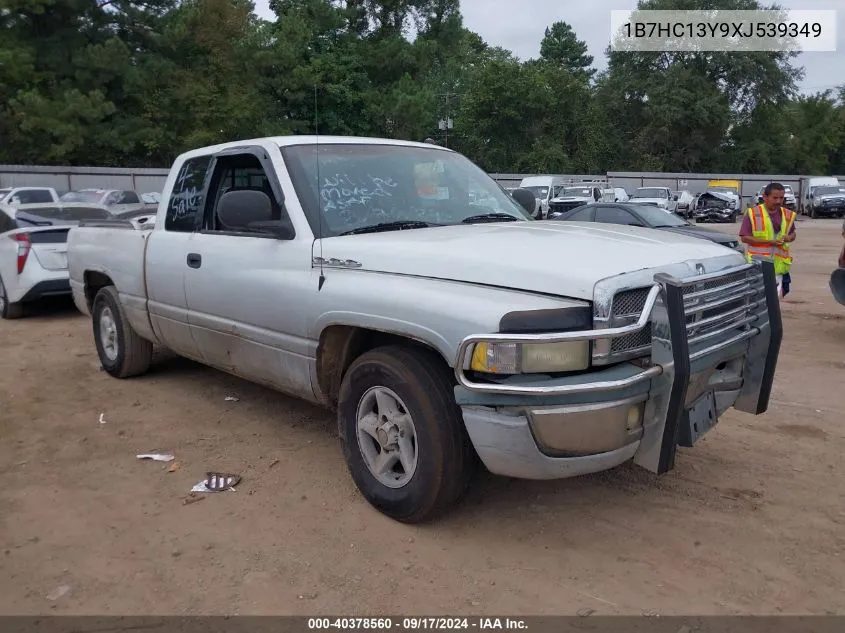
{"x": 489, "y": 217}
{"x": 390, "y": 226}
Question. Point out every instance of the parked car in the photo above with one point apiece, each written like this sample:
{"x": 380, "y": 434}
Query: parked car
{"x": 808, "y": 187}
{"x": 616, "y": 194}
{"x": 575, "y": 195}
{"x": 731, "y": 188}
{"x": 118, "y": 200}
{"x": 33, "y": 252}
{"x": 713, "y": 206}
{"x": 14, "y": 196}
{"x": 647, "y": 215}
{"x": 826, "y": 201}
{"x": 544, "y": 189}
{"x": 353, "y": 273}
{"x": 658, "y": 196}
{"x": 681, "y": 203}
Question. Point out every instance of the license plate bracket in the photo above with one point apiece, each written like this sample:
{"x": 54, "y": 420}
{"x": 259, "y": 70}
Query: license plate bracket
{"x": 699, "y": 417}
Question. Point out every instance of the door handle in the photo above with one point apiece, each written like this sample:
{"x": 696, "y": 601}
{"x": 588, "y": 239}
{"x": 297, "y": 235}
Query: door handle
{"x": 194, "y": 260}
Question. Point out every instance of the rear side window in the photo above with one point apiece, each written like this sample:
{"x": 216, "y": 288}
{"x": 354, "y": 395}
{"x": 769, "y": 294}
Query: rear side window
{"x": 129, "y": 197}
{"x": 186, "y": 200}
{"x": 59, "y": 236}
{"x": 614, "y": 215}
{"x": 584, "y": 215}
{"x": 34, "y": 196}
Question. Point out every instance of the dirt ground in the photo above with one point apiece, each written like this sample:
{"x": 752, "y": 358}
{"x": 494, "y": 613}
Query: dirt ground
{"x": 751, "y": 521}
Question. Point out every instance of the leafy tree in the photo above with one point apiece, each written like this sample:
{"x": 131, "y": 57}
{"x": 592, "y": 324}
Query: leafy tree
{"x": 561, "y": 47}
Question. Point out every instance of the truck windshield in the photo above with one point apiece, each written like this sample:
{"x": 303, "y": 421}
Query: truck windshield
{"x": 826, "y": 191}
{"x": 355, "y": 186}
{"x": 81, "y": 196}
{"x": 577, "y": 192}
{"x": 650, "y": 193}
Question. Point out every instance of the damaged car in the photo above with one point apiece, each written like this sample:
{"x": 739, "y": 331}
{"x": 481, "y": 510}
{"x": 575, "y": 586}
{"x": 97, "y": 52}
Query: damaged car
{"x": 713, "y": 206}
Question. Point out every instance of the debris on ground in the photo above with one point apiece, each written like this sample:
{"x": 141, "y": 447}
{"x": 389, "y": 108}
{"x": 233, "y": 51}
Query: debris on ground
{"x": 217, "y": 482}
{"x": 192, "y": 498}
{"x": 173, "y": 468}
{"x": 157, "y": 457}
{"x": 232, "y": 399}
{"x": 102, "y": 420}
{"x": 58, "y": 592}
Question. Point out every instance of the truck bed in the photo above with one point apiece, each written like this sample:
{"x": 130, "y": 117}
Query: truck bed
{"x": 112, "y": 248}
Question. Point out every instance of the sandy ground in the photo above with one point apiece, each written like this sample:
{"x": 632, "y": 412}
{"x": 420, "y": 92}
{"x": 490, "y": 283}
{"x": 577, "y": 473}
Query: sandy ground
{"x": 751, "y": 521}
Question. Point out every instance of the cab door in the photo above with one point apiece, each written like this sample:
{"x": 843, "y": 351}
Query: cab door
{"x": 167, "y": 253}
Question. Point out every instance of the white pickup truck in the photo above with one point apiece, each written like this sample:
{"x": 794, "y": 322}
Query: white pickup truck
{"x": 357, "y": 274}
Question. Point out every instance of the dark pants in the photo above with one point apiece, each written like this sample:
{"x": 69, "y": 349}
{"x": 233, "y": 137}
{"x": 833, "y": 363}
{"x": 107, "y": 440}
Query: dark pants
{"x": 787, "y": 279}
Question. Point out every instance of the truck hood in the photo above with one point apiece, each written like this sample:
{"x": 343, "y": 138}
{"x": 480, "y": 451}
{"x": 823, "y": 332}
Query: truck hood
{"x": 832, "y": 197}
{"x": 564, "y": 259}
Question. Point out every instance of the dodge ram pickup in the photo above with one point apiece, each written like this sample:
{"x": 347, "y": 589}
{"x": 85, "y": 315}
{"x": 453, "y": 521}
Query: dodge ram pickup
{"x": 396, "y": 284}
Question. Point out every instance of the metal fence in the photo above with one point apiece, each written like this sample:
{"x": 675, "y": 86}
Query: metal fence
{"x": 141, "y": 180}
{"x": 145, "y": 180}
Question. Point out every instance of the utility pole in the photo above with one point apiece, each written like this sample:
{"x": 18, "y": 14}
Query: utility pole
{"x": 445, "y": 124}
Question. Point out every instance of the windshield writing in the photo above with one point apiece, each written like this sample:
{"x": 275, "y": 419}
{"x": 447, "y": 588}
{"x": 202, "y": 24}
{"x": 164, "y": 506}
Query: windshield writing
{"x": 361, "y": 185}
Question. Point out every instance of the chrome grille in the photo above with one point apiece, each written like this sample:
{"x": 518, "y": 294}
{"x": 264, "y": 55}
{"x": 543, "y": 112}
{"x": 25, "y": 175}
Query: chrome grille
{"x": 629, "y": 302}
{"x": 715, "y": 309}
{"x": 721, "y": 307}
{"x": 561, "y": 207}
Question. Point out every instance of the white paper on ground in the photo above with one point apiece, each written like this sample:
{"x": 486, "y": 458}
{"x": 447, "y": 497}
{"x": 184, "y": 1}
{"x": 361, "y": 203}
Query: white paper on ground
{"x": 156, "y": 457}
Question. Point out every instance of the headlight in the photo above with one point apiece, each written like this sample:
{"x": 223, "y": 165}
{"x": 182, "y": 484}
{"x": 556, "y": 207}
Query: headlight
{"x": 530, "y": 358}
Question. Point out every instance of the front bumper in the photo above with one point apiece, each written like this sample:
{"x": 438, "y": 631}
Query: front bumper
{"x": 542, "y": 427}
{"x": 721, "y": 215}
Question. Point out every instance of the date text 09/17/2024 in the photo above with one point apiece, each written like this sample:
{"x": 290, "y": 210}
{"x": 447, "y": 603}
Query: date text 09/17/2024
{"x": 417, "y": 623}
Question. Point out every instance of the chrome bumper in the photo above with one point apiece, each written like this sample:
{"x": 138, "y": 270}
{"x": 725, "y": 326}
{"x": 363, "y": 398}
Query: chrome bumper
{"x": 677, "y": 396}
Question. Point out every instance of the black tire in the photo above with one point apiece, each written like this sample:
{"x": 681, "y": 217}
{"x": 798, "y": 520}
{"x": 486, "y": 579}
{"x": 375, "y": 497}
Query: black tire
{"x": 446, "y": 459}
{"x": 133, "y": 353}
{"x": 9, "y": 310}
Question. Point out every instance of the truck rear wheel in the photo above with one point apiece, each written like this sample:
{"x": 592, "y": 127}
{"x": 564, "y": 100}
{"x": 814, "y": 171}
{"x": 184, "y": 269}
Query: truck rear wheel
{"x": 122, "y": 352}
{"x": 403, "y": 435}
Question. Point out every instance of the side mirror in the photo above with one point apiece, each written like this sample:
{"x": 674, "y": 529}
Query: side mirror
{"x": 674, "y": 198}
{"x": 812, "y": 195}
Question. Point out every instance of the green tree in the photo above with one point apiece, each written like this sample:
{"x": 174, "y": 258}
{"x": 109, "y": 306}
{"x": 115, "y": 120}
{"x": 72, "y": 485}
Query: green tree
{"x": 561, "y": 47}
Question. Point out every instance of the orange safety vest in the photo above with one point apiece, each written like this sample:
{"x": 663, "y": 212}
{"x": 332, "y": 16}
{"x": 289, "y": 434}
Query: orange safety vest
{"x": 762, "y": 229}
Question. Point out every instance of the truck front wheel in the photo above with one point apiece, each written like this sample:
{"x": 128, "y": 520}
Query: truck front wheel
{"x": 403, "y": 434}
{"x": 122, "y": 352}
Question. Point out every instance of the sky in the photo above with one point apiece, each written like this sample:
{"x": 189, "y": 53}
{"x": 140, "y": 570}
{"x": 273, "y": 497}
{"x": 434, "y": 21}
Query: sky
{"x": 519, "y": 27}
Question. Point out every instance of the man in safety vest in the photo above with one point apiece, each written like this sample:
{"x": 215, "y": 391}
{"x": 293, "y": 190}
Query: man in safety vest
{"x": 767, "y": 231}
